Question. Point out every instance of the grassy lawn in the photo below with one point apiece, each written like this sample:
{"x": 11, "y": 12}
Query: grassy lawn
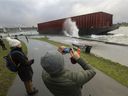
{"x": 112, "y": 69}
{"x": 6, "y": 76}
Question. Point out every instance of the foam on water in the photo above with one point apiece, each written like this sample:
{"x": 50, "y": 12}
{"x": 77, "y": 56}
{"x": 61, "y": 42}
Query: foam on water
{"x": 119, "y": 36}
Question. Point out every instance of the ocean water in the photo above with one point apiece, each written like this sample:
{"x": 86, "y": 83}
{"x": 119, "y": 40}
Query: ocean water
{"x": 120, "y": 35}
{"x": 32, "y": 32}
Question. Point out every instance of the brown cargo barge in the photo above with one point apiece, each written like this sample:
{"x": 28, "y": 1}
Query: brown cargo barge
{"x": 93, "y": 23}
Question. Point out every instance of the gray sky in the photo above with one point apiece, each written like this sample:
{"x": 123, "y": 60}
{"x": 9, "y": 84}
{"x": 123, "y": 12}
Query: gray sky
{"x": 30, "y": 12}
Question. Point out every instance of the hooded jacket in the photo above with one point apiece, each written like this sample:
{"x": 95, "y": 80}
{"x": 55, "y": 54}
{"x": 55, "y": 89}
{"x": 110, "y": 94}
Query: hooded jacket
{"x": 25, "y": 71}
{"x": 67, "y": 82}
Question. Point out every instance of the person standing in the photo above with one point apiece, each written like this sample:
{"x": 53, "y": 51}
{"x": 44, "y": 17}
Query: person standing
{"x": 63, "y": 82}
{"x": 26, "y": 38}
{"x": 24, "y": 71}
{"x": 2, "y": 44}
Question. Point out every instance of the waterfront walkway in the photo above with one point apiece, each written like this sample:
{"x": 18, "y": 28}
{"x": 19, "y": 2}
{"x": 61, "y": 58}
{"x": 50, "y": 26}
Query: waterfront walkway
{"x": 100, "y": 85}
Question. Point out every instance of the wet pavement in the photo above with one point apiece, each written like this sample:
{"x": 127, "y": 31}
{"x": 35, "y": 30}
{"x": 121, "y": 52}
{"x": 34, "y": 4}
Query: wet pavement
{"x": 100, "y": 85}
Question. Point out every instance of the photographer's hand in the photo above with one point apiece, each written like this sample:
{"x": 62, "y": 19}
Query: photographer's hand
{"x": 74, "y": 54}
{"x": 61, "y": 48}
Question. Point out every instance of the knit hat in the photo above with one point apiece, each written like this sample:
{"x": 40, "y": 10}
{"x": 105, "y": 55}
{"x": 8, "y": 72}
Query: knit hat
{"x": 13, "y": 42}
{"x": 52, "y": 62}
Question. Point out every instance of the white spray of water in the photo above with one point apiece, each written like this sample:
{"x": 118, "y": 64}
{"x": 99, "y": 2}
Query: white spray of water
{"x": 93, "y": 36}
{"x": 118, "y": 35}
{"x": 70, "y": 28}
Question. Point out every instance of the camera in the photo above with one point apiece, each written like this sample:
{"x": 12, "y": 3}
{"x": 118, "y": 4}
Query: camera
{"x": 67, "y": 50}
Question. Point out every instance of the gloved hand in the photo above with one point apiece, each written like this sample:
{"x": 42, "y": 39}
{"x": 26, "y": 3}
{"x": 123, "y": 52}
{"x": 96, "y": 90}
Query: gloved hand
{"x": 73, "y": 61}
{"x": 74, "y": 56}
{"x": 31, "y": 61}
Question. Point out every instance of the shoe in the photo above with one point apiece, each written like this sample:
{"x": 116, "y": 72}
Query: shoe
{"x": 35, "y": 91}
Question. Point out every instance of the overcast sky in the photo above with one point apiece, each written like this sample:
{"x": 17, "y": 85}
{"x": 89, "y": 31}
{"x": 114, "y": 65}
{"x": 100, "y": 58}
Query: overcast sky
{"x": 30, "y": 12}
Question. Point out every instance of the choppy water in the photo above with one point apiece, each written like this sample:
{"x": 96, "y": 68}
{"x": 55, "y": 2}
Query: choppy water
{"x": 119, "y": 36}
{"x": 32, "y": 32}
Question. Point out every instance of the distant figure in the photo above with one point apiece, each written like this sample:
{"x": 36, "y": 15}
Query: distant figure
{"x": 24, "y": 71}
{"x": 1, "y": 37}
{"x": 2, "y": 44}
{"x": 16, "y": 37}
{"x": 62, "y": 82}
{"x": 26, "y": 38}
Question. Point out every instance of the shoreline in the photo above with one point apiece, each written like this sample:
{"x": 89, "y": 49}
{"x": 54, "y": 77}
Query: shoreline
{"x": 106, "y": 42}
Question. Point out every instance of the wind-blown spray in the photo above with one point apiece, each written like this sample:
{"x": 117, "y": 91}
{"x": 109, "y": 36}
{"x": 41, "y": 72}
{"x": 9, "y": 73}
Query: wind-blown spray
{"x": 70, "y": 28}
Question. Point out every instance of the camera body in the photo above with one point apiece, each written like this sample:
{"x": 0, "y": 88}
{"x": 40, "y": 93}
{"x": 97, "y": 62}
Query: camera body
{"x": 67, "y": 50}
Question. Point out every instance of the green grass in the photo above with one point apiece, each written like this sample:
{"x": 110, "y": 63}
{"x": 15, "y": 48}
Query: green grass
{"x": 115, "y": 70}
{"x": 6, "y": 76}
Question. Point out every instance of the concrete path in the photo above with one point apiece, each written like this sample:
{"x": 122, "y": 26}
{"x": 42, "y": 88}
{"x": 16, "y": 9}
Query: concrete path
{"x": 100, "y": 85}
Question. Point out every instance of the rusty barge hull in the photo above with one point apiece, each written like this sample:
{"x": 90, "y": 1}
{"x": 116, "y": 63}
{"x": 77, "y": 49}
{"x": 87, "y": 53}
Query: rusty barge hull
{"x": 93, "y": 23}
